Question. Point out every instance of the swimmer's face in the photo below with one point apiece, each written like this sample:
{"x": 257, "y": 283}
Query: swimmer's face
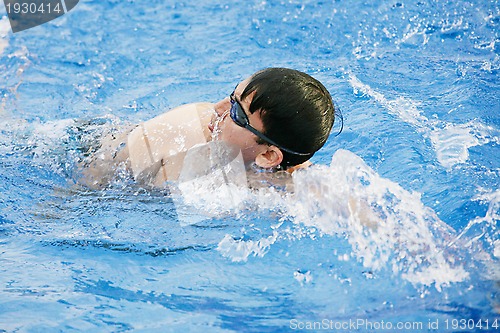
{"x": 263, "y": 154}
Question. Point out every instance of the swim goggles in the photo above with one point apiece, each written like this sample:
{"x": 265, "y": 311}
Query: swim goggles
{"x": 241, "y": 119}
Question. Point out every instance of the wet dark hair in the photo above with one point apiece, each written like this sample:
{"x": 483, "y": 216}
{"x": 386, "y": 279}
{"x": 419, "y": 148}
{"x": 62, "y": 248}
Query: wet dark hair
{"x": 296, "y": 109}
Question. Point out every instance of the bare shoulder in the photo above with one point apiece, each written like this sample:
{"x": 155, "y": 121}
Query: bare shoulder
{"x": 152, "y": 145}
{"x": 167, "y": 135}
{"x": 184, "y": 114}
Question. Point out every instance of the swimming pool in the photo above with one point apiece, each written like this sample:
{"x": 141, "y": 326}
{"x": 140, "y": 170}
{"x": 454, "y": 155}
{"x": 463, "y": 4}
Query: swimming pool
{"x": 418, "y": 84}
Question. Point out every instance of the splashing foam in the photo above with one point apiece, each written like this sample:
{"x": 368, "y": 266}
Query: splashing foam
{"x": 21, "y": 55}
{"x": 207, "y": 169}
{"x": 450, "y": 141}
{"x": 386, "y": 226}
{"x": 482, "y": 236}
{"x": 52, "y": 144}
{"x": 4, "y": 30}
{"x": 4, "y": 42}
{"x": 239, "y": 250}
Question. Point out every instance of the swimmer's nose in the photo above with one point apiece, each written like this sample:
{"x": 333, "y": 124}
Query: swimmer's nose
{"x": 222, "y": 106}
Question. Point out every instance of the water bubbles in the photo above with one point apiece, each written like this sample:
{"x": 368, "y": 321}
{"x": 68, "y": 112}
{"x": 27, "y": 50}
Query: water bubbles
{"x": 239, "y": 250}
{"x": 217, "y": 121}
{"x": 304, "y": 277}
{"x": 368, "y": 275}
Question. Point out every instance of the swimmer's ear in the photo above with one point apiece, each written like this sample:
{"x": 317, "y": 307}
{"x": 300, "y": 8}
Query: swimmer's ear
{"x": 270, "y": 158}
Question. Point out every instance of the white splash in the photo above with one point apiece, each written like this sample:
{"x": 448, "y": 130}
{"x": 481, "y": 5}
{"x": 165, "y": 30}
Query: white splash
{"x": 4, "y": 32}
{"x": 406, "y": 109}
{"x": 451, "y": 142}
{"x": 483, "y": 235}
{"x": 387, "y": 226}
{"x": 48, "y": 144}
{"x": 212, "y": 182}
{"x": 4, "y": 43}
{"x": 303, "y": 278}
{"x": 240, "y": 250}
{"x": 479, "y": 228}
{"x": 21, "y": 54}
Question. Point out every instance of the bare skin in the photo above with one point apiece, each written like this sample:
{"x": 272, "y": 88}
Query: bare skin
{"x": 154, "y": 150}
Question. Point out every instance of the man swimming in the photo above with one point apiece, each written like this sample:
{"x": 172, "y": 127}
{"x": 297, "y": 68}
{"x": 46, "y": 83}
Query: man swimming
{"x": 277, "y": 119}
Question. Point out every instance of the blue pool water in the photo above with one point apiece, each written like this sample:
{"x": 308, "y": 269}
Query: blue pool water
{"x": 418, "y": 83}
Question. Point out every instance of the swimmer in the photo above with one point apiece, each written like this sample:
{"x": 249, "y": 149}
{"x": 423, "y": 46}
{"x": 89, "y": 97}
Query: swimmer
{"x": 277, "y": 118}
